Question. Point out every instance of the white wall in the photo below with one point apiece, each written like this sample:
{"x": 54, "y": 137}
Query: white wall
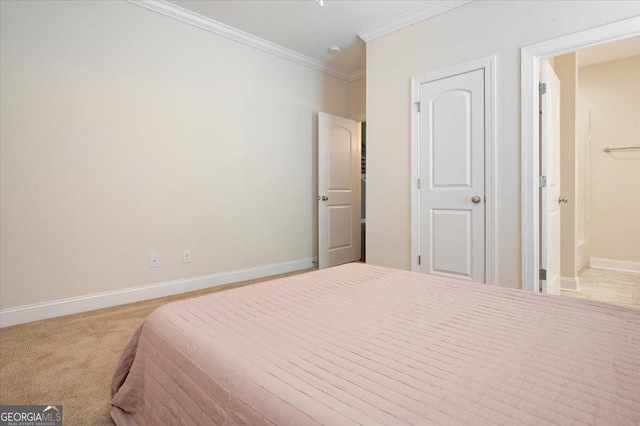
{"x": 478, "y": 29}
{"x": 125, "y": 132}
{"x": 610, "y": 92}
{"x": 357, "y": 97}
{"x": 583, "y": 178}
{"x": 583, "y": 182}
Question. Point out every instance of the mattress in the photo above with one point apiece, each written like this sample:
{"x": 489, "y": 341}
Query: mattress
{"x": 360, "y": 344}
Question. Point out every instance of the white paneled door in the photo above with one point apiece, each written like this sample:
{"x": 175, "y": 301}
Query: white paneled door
{"x": 338, "y": 190}
{"x": 550, "y": 169}
{"x": 452, "y": 176}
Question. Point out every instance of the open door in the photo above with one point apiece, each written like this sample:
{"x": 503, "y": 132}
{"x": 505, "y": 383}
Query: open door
{"x": 338, "y": 190}
{"x": 550, "y": 180}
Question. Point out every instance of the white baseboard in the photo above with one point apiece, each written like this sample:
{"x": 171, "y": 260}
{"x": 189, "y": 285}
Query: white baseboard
{"x": 570, "y": 284}
{"x": 616, "y": 265}
{"x": 74, "y": 305}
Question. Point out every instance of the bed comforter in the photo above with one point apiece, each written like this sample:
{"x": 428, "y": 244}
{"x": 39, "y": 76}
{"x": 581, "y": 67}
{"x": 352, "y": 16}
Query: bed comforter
{"x": 359, "y": 344}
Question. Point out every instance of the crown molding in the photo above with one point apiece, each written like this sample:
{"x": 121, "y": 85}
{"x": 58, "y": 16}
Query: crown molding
{"x": 173, "y": 11}
{"x": 436, "y": 8}
{"x": 358, "y": 75}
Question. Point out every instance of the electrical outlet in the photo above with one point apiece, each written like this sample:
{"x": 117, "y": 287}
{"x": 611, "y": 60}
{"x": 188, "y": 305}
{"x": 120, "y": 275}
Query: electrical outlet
{"x": 186, "y": 256}
{"x": 154, "y": 260}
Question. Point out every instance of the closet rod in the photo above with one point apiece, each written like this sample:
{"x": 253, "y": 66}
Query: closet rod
{"x": 626, "y": 148}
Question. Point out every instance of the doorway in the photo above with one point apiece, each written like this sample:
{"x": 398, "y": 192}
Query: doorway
{"x": 338, "y": 190}
{"x": 599, "y": 254}
{"x": 533, "y": 275}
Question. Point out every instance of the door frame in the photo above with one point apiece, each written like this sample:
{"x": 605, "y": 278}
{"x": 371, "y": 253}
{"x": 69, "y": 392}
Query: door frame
{"x": 530, "y": 57}
{"x": 488, "y": 64}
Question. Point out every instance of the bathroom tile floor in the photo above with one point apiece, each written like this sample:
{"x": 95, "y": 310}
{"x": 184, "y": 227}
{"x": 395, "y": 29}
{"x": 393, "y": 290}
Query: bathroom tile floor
{"x": 605, "y": 285}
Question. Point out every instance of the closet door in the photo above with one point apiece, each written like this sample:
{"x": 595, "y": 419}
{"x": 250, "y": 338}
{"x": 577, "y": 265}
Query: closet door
{"x": 452, "y": 189}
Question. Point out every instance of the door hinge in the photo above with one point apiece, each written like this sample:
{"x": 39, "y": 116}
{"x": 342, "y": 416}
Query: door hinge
{"x": 419, "y": 183}
{"x": 543, "y": 274}
{"x": 418, "y": 105}
{"x": 542, "y": 88}
{"x": 543, "y": 181}
{"x": 419, "y": 260}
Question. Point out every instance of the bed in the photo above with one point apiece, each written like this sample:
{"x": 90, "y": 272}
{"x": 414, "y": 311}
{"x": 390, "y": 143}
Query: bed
{"x": 360, "y": 344}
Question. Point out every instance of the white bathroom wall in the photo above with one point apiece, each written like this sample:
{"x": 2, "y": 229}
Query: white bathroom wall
{"x": 583, "y": 182}
{"x": 609, "y": 93}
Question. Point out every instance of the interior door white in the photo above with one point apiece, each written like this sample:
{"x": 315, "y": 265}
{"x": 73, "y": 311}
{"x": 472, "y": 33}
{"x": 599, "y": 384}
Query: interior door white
{"x": 338, "y": 190}
{"x": 452, "y": 196}
{"x": 550, "y": 168}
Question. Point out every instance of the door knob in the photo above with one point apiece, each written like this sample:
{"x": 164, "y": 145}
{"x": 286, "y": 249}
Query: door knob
{"x": 324, "y": 198}
{"x": 475, "y": 199}
{"x": 563, "y": 200}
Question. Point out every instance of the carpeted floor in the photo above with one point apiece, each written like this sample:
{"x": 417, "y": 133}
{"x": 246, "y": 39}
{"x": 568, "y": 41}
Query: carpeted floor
{"x": 69, "y": 360}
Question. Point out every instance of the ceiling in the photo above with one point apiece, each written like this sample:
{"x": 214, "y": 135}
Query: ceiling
{"x": 305, "y": 27}
{"x": 609, "y": 52}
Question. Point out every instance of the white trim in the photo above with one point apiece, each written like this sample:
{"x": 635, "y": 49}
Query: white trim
{"x": 570, "y": 284}
{"x": 74, "y": 305}
{"x": 615, "y": 264}
{"x": 487, "y": 63}
{"x": 173, "y": 11}
{"x": 434, "y": 9}
{"x": 530, "y": 57}
{"x": 358, "y": 75}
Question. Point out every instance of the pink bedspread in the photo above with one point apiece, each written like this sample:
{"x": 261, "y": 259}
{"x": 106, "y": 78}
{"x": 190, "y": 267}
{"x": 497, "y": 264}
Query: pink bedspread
{"x": 359, "y": 344}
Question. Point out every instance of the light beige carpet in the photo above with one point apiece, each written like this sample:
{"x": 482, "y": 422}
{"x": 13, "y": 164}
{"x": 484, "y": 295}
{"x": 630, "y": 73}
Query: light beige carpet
{"x": 70, "y": 360}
